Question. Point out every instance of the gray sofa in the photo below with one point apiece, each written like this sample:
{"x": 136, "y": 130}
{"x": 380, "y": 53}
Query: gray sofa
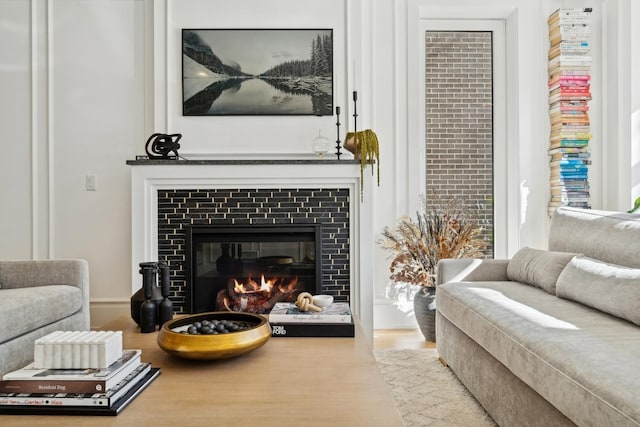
{"x": 550, "y": 337}
{"x": 36, "y": 298}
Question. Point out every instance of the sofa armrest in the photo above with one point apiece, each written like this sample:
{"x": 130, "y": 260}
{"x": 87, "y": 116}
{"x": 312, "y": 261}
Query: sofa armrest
{"x": 471, "y": 269}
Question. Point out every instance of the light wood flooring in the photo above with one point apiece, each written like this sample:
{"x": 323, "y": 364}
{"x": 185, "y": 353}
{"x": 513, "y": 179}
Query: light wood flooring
{"x": 396, "y": 339}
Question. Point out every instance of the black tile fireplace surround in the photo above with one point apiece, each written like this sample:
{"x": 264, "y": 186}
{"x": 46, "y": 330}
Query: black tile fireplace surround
{"x": 327, "y": 210}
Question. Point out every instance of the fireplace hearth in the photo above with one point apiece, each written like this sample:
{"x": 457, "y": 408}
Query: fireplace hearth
{"x": 251, "y": 267}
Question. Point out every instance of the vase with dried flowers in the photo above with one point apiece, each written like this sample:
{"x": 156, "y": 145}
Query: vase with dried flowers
{"x": 444, "y": 228}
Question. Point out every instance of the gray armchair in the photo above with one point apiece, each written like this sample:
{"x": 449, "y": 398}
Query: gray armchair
{"x": 37, "y": 298}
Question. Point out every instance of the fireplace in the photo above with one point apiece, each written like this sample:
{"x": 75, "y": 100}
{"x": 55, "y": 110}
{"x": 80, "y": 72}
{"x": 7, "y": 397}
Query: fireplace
{"x": 318, "y": 216}
{"x": 167, "y": 196}
{"x": 251, "y": 267}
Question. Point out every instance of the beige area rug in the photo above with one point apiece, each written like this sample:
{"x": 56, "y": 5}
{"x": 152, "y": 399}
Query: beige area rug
{"x": 426, "y": 393}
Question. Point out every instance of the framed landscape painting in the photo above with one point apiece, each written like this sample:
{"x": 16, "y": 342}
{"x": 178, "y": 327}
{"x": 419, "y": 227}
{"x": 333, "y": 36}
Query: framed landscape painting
{"x": 257, "y": 72}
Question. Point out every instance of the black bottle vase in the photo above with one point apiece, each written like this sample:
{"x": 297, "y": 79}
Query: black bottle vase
{"x": 148, "y": 312}
{"x": 165, "y": 307}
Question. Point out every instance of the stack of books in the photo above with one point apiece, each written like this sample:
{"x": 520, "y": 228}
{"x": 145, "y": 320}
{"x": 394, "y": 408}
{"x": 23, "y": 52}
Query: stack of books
{"x": 87, "y": 391}
{"x": 569, "y": 96}
{"x": 333, "y": 321}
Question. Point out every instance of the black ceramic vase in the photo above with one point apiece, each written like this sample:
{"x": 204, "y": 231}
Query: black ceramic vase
{"x": 139, "y": 297}
{"x": 424, "y": 308}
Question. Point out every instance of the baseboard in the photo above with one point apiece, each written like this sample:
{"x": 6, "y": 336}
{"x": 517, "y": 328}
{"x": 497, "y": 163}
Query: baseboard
{"x": 103, "y": 312}
{"x": 388, "y": 316}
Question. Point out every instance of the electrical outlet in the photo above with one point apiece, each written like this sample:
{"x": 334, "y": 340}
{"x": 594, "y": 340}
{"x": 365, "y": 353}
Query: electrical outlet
{"x": 91, "y": 182}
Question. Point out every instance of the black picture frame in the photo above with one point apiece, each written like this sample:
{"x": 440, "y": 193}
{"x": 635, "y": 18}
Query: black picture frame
{"x": 257, "y": 72}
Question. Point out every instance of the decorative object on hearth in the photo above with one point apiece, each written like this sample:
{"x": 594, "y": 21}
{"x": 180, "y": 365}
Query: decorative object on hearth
{"x": 159, "y": 145}
{"x": 364, "y": 145}
{"x": 304, "y": 302}
{"x": 322, "y": 301}
{"x": 320, "y": 145}
{"x": 251, "y": 332}
{"x": 444, "y": 229}
{"x": 159, "y": 296}
{"x": 165, "y": 308}
{"x": 148, "y": 314}
{"x": 338, "y": 142}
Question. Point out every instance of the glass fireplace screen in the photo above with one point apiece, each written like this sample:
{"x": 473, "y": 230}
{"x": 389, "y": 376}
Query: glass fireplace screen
{"x": 250, "y": 267}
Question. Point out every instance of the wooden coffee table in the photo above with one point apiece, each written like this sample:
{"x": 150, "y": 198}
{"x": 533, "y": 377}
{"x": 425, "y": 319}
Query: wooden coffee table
{"x": 287, "y": 382}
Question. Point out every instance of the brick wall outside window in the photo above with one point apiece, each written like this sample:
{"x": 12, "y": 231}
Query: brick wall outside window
{"x": 459, "y": 121}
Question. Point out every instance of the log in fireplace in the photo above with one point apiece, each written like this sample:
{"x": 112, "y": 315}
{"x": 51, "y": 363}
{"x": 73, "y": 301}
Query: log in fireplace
{"x": 250, "y": 267}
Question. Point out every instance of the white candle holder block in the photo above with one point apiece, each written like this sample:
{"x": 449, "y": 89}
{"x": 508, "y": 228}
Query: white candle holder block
{"x": 77, "y": 350}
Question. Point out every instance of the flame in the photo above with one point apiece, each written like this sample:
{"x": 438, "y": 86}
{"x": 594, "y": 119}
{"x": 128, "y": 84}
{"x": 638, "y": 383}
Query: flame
{"x": 265, "y": 286}
{"x": 290, "y": 287}
{"x": 257, "y": 296}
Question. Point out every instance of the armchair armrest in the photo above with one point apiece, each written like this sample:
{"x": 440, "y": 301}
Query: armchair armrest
{"x": 471, "y": 269}
{"x": 24, "y": 274}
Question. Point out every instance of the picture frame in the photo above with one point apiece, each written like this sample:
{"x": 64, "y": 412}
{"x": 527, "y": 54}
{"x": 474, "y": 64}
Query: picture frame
{"x": 257, "y": 72}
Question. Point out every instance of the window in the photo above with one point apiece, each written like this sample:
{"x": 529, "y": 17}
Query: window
{"x": 460, "y": 119}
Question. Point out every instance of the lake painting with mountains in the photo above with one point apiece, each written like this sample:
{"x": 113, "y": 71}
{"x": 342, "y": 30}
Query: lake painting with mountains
{"x": 257, "y": 72}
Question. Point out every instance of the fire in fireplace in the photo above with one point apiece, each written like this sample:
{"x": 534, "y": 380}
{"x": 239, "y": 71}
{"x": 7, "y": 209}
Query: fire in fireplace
{"x": 257, "y": 297}
{"x": 250, "y": 267}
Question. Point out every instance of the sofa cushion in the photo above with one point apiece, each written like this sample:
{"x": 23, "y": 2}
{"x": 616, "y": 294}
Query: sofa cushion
{"x": 537, "y": 267}
{"x": 23, "y": 310}
{"x": 582, "y": 361}
{"x": 586, "y": 231}
{"x": 611, "y": 288}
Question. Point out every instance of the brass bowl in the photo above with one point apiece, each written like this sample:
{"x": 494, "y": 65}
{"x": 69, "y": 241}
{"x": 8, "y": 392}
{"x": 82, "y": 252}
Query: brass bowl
{"x": 209, "y": 347}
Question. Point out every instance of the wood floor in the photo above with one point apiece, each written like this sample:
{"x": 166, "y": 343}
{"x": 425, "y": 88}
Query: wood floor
{"x": 396, "y": 339}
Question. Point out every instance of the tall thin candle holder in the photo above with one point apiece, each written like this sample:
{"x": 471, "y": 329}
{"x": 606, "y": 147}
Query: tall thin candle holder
{"x": 355, "y": 111}
{"x": 338, "y": 142}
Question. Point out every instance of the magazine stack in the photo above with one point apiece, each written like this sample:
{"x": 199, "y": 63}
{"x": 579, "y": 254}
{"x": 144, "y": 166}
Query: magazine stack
{"x": 569, "y": 96}
{"x": 76, "y": 373}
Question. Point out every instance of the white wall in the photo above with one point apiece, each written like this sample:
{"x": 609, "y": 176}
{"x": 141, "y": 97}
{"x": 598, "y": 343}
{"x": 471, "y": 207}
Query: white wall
{"x": 635, "y": 103}
{"x": 237, "y": 136}
{"x": 97, "y": 101}
{"x": 90, "y": 80}
{"x": 16, "y": 171}
{"x": 72, "y": 80}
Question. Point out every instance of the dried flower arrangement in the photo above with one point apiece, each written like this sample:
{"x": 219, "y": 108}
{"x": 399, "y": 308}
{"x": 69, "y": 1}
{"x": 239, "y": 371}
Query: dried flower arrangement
{"x": 444, "y": 229}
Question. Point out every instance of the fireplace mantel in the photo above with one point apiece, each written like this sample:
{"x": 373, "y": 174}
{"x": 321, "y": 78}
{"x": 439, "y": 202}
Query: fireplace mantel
{"x": 254, "y": 162}
{"x": 149, "y": 176}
